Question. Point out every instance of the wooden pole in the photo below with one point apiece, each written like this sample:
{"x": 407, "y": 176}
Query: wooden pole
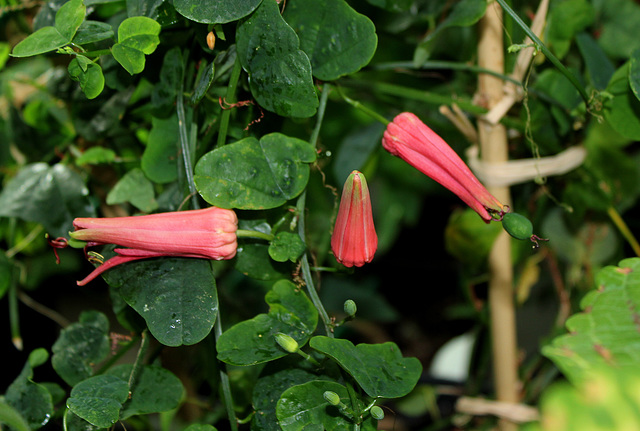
{"x": 493, "y": 147}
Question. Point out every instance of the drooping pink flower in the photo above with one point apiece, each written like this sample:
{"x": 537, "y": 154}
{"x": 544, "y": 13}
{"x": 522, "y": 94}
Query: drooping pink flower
{"x": 208, "y": 233}
{"x": 413, "y": 141}
{"x": 354, "y": 240}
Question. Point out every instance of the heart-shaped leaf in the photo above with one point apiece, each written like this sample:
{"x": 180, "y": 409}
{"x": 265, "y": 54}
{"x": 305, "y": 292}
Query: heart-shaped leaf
{"x": 252, "y": 174}
{"x": 379, "y": 369}
{"x": 215, "y": 12}
{"x": 337, "y": 39}
{"x": 253, "y": 341}
{"x": 88, "y": 74}
{"x": 137, "y": 37}
{"x": 98, "y": 399}
{"x": 279, "y": 71}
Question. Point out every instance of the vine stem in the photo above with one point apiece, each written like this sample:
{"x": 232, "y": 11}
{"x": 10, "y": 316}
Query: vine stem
{"x": 493, "y": 144}
{"x": 300, "y": 208}
{"x": 546, "y": 51}
{"x": 230, "y": 98}
{"x": 137, "y": 366}
{"x": 624, "y": 230}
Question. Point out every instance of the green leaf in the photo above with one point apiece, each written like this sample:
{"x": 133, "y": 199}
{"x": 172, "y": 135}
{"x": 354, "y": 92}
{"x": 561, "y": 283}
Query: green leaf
{"x": 98, "y": 399}
{"x": 566, "y": 19}
{"x": 337, "y": 39}
{"x": 286, "y": 246}
{"x": 215, "y": 12}
{"x": 606, "y": 400}
{"x": 253, "y": 260}
{"x": 137, "y": 36}
{"x": 160, "y": 157}
{"x": 155, "y": 390}
{"x": 88, "y": 74}
{"x": 49, "y": 38}
{"x": 50, "y": 195}
{"x": 136, "y": 189}
{"x": 175, "y": 296}
{"x": 618, "y": 21}
{"x": 303, "y": 407}
{"x": 469, "y": 239}
{"x": 379, "y": 369}
{"x": 80, "y": 346}
{"x": 634, "y": 73}
{"x": 606, "y": 333}
{"x": 252, "y": 174}
{"x": 11, "y": 417}
{"x": 465, "y": 13}
{"x": 252, "y": 341}
{"x": 93, "y": 31}
{"x": 96, "y": 156}
{"x": 279, "y": 72}
{"x": 30, "y": 400}
{"x": 622, "y": 110}
{"x": 599, "y": 67}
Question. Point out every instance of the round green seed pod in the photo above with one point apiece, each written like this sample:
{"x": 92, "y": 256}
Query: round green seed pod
{"x": 350, "y": 307}
{"x": 287, "y": 342}
{"x": 517, "y": 225}
{"x": 331, "y": 397}
{"x": 377, "y": 413}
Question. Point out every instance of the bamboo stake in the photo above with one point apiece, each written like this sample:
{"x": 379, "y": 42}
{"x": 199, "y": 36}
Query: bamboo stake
{"x": 493, "y": 147}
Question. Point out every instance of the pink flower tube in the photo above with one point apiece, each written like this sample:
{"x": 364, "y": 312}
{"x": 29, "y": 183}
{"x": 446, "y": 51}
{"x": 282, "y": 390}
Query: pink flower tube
{"x": 414, "y": 142}
{"x": 208, "y": 233}
{"x": 354, "y": 240}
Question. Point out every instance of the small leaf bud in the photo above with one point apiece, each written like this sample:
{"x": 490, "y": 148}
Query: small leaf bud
{"x": 287, "y": 342}
{"x": 331, "y": 397}
{"x": 377, "y": 413}
{"x": 350, "y": 307}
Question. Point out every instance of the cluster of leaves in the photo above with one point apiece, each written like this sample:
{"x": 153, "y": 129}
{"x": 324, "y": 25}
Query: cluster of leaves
{"x": 113, "y": 108}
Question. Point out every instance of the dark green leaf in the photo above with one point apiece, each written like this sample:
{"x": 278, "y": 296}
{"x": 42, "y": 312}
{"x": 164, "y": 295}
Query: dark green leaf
{"x": 252, "y": 174}
{"x": 80, "y": 346}
{"x": 634, "y": 73}
{"x": 136, "y": 189}
{"x": 286, "y": 246}
{"x": 98, "y": 399}
{"x": 11, "y": 417}
{"x": 252, "y": 341}
{"x": 50, "y": 195}
{"x": 379, "y": 369}
{"x": 337, "y": 39}
{"x": 216, "y": 12}
{"x": 88, "y": 74}
{"x": 30, "y": 400}
{"x": 622, "y": 110}
{"x": 566, "y": 19}
{"x": 156, "y": 390}
{"x": 303, "y": 407}
{"x": 93, "y": 31}
{"x": 279, "y": 72}
{"x": 598, "y": 65}
{"x": 253, "y": 260}
{"x": 175, "y": 296}
{"x": 160, "y": 157}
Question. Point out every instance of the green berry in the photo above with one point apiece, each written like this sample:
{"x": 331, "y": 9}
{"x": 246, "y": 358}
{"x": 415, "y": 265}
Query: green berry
{"x": 517, "y": 225}
{"x": 377, "y": 413}
{"x": 287, "y": 342}
{"x": 331, "y": 397}
{"x": 350, "y": 307}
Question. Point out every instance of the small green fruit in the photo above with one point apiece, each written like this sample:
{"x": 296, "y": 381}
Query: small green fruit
{"x": 331, "y": 397}
{"x": 517, "y": 225}
{"x": 377, "y": 413}
{"x": 287, "y": 342}
{"x": 350, "y": 307}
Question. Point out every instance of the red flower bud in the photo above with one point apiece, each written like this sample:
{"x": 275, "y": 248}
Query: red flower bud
{"x": 354, "y": 240}
{"x": 413, "y": 141}
{"x": 208, "y": 233}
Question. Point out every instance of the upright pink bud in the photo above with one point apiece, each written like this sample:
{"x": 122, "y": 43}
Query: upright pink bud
{"x": 414, "y": 142}
{"x": 354, "y": 240}
{"x": 208, "y": 233}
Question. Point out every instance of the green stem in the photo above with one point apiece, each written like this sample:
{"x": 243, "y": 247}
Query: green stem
{"x": 229, "y": 98}
{"x": 137, "y": 366}
{"x": 546, "y": 51}
{"x": 115, "y": 358}
{"x": 224, "y": 379}
{"x": 300, "y": 209}
{"x": 185, "y": 144}
{"x": 624, "y": 229}
{"x": 363, "y": 108}
{"x": 14, "y": 315}
{"x": 245, "y": 233}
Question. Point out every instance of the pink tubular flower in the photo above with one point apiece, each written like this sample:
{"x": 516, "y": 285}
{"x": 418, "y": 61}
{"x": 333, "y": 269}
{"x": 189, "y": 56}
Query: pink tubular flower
{"x": 208, "y": 233}
{"x": 354, "y": 240}
{"x": 414, "y": 142}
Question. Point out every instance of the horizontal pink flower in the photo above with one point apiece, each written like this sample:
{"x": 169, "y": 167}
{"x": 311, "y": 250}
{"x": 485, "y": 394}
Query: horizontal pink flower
{"x": 208, "y": 233}
{"x": 354, "y": 240}
{"x": 414, "y": 142}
